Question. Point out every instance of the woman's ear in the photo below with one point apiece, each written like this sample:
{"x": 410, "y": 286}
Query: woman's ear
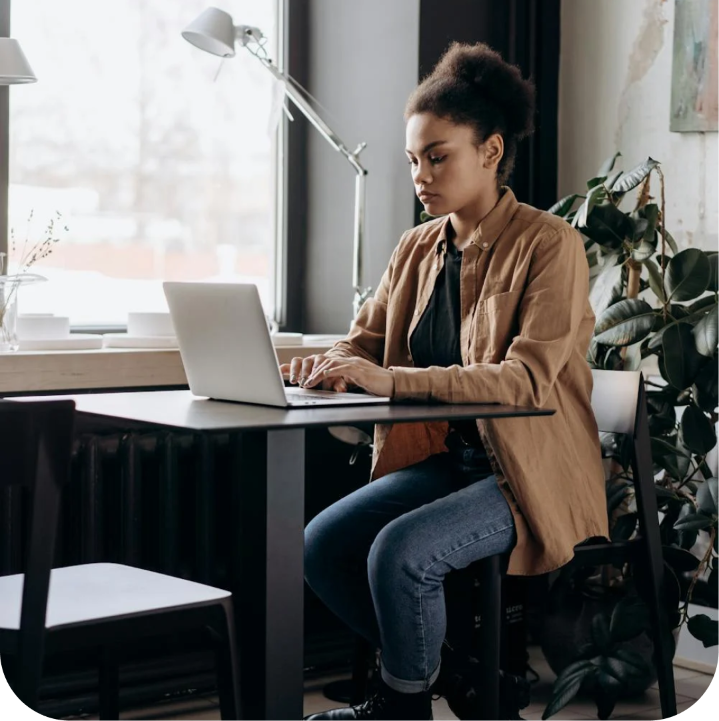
{"x": 493, "y": 151}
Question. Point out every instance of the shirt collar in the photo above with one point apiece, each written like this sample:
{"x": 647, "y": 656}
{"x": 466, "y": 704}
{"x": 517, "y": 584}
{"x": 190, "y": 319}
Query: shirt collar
{"x": 490, "y": 227}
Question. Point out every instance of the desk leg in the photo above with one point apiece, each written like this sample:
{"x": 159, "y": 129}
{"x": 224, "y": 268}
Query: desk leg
{"x": 269, "y": 588}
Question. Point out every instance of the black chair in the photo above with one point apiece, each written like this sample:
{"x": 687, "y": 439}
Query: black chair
{"x": 619, "y": 405}
{"x": 102, "y": 605}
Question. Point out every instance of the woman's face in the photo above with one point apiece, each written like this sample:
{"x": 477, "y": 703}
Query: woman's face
{"x": 449, "y": 170}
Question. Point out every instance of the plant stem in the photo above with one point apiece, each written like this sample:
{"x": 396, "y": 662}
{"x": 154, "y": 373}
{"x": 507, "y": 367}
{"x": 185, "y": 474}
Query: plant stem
{"x": 664, "y": 238}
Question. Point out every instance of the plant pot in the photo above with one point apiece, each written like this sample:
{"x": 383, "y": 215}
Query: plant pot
{"x": 568, "y": 626}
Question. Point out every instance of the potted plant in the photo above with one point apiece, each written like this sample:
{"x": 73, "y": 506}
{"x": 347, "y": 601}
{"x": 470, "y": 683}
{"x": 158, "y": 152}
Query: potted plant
{"x": 650, "y": 299}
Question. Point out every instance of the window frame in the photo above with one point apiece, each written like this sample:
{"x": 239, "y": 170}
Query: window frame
{"x": 284, "y": 265}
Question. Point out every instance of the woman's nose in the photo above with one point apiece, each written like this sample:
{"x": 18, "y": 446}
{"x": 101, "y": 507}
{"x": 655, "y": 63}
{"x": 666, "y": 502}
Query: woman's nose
{"x": 422, "y": 174}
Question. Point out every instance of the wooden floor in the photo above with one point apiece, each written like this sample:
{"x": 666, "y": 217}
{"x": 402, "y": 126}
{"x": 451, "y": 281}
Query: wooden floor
{"x": 690, "y": 685}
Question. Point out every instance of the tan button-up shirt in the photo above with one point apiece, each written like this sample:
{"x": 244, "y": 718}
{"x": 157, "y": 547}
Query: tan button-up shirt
{"x": 526, "y": 322}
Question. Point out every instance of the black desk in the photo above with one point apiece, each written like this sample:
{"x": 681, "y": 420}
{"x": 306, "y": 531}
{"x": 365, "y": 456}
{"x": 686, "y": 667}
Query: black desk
{"x": 270, "y": 514}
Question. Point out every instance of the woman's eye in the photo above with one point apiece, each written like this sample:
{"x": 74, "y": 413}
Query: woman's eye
{"x": 436, "y": 160}
{"x": 412, "y": 161}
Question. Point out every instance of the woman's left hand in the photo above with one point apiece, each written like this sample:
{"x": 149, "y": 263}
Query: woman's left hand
{"x": 363, "y": 373}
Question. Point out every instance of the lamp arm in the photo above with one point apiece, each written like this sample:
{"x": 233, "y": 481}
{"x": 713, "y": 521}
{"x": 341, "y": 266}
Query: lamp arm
{"x": 360, "y": 294}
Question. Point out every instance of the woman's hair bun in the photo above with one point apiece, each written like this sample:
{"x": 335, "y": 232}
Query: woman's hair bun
{"x": 494, "y": 79}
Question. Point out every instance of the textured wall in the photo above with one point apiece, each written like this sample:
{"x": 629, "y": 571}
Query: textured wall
{"x": 614, "y": 94}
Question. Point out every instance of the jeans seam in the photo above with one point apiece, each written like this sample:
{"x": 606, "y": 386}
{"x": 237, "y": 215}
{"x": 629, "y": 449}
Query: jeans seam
{"x": 424, "y": 574}
{"x": 424, "y": 640}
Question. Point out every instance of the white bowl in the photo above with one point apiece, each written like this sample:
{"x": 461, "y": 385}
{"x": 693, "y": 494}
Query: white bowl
{"x": 280, "y": 339}
{"x": 149, "y": 324}
{"x": 42, "y": 326}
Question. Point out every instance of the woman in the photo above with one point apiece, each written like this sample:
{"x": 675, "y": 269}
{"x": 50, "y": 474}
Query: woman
{"x": 486, "y": 304}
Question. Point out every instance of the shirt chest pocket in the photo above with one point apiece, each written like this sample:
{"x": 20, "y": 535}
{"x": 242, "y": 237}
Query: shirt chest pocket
{"x": 496, "y": 322}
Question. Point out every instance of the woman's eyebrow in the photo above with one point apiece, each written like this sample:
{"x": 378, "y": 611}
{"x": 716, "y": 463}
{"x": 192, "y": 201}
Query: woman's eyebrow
{"x": 428, "y": 146}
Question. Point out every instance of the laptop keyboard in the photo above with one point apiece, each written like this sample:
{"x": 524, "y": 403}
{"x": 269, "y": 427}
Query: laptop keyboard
{"x": 311, "y": 394}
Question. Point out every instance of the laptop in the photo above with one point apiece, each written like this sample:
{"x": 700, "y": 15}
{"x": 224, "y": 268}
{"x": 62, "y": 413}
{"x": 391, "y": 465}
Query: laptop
{"x": 227, "y": 350}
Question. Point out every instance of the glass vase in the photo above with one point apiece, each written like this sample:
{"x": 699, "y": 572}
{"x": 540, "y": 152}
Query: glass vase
{"x": 9, "y": 288}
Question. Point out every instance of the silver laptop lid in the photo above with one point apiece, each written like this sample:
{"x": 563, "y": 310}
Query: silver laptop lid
{"x": 225, "y": 343}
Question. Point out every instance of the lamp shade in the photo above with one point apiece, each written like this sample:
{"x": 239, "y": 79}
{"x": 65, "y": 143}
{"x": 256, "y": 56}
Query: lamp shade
{"x": 14, "y": 67}
{"x": 212, "y": 31}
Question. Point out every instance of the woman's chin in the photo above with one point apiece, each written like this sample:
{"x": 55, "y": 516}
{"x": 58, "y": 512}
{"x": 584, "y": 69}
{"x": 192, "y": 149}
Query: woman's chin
{"x": 432, "y": 205}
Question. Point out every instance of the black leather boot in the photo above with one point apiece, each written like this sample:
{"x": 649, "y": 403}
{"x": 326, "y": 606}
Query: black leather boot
{"x": 385, "y": 703}
{"x": 460, "y": 683}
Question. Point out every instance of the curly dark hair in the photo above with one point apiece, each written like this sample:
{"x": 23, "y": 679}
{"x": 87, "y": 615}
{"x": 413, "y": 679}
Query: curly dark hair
{"x": 472, "y": 85}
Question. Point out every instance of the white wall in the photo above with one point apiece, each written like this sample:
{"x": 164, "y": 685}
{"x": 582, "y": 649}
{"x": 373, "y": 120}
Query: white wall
{"x": 364, "y": 61}
{"x": 614, "y": 94}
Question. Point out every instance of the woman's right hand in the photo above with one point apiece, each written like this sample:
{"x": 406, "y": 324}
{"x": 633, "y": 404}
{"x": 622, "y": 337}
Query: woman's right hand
{"x": 298, "y": 370}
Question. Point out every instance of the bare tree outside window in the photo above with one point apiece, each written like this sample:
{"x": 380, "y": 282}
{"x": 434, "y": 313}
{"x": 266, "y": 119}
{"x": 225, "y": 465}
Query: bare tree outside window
{"x": 160, "y": 171}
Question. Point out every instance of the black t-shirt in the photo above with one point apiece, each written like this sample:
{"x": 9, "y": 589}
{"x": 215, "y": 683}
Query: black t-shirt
{"x": 435, "y": 339}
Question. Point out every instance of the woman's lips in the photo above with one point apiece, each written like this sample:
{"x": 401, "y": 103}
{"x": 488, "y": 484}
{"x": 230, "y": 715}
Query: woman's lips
{"x": 427, "y": 196}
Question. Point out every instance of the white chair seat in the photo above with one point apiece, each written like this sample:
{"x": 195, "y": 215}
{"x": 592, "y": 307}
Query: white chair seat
{"x": 103, "y": 590}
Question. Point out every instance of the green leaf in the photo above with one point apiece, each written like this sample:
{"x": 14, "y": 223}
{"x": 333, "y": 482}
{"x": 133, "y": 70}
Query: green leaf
{"x": 607, "y": 289}
{"x": 611, "y": 179}
{"x": 593, "y": 182}
{"x": 608, "y": 226}
{"x": 704, "y": 389}
{"x": 686, "y": 537}
{"x": 629, "y": 619}
{"x": 705, "y": 333}
{"x": 625, "y": 323}
{"x": 600, "y": 633}
{"x": 693, "y": 522}
{"x": 624, "y": 527}
{"x": 712, "y": 582}
{"x": 662, "y": 416}
{"x": 611, "y": 689}
{"x": 563, "y": 206}
{"x": 643, "y": 251}
{"x": 680, "y": 559}
{"x": 631, "y": 179}
{"x": 671, "y": 242}
{"x": 564, "y": 692}
{"x": 608, "y": 164}
{"x": 633, "y": 357}
{"x": 660, "y": 447}
{"x": 697, "y": 431}
{"x": 703, "y": 628}
{"x": 687, "y": 275}
{"x": 655, "y": 279}
{"x": 702, "y": 303}
{"x": 712, "y": 257}
{"x": 707, "y": 497}
{"x": 651, "y": 213}
{"x": 665, "y": 493}
{"x": 594, "y": 196}
{"x": 682, "y": 361}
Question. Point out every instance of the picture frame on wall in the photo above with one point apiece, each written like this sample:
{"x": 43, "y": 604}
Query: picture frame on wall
{"x": 695, "y": 96}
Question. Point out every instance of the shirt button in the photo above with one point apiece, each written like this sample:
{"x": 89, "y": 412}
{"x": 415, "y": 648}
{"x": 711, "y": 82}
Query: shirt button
{"x": 409, "y": 356}
{"x": 416, "y": 311}
{"x": 485, "y": 245}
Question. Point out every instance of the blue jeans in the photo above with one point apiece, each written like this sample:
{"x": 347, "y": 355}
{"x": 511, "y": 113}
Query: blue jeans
{"x": 377, "y": 557}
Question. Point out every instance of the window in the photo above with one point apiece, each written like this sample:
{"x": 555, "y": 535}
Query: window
{"x": 159, "y": 170}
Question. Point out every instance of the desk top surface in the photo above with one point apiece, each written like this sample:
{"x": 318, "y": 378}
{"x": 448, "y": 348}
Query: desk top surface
{"x": 181, "y": 409}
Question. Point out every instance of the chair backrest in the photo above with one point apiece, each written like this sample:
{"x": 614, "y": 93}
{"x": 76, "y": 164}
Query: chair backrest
{"x": 614, "y": 400}
{"x": 35, "y": 440}
{"x": 35, "y": 452}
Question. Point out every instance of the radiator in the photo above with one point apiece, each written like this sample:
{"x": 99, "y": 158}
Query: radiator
{"x": 163, "y": 501}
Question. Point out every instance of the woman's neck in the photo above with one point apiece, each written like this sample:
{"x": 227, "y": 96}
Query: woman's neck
{"x": 465, "y": 221}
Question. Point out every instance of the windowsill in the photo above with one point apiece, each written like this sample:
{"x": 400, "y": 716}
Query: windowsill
{"x": 33, "y": 372}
